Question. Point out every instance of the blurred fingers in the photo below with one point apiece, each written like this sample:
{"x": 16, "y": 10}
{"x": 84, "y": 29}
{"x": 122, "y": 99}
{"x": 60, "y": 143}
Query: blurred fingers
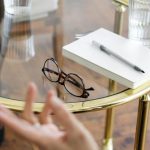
{"x": 4, "y": 110}
{"x": 19, "y": 126}
{"x": 45, "y": 114}
{"x": 62, "y": 114}
{"x": 30, "y": 97}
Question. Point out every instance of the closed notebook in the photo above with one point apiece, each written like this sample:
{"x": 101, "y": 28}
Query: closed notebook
{"x": 85, "y": 53}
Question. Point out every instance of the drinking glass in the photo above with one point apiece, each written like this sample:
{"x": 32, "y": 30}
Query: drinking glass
{"x": 139, "y": 21}
{"x": 17, "y": 39}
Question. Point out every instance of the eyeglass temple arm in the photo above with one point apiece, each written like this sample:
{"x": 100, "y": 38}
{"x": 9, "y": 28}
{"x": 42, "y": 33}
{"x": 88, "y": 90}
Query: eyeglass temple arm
{"x": 76, "y": 83}
{"x": 86, "y": 94}
{"x": 90, "y": 89}
{"x": 73, "y": 81}
{"x": 52, "y": 71}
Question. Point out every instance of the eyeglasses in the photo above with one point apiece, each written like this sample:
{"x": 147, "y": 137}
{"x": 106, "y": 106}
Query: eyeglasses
{"x": 72, "y": 82}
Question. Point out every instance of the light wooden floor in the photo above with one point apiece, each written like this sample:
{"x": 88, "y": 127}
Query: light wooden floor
{"x": 97, "y": 13}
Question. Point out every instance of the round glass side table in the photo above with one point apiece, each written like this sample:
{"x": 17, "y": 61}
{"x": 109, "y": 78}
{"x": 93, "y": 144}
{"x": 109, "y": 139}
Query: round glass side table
{"x": 27, "y": 42}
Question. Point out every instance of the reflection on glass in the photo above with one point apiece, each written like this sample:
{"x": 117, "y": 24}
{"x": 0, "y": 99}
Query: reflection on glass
{"x": 17, "y": 7}
{"x": 17, "y": 39}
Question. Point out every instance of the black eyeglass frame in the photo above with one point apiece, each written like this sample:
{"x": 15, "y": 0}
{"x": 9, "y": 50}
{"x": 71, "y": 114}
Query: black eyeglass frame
{"x": 61, "y": 74}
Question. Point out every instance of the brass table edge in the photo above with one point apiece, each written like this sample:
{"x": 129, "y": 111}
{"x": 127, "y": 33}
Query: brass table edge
{"x": 90, "y": 105}
{"x": 122, "y": 2}
{"x": 107, "y": 144}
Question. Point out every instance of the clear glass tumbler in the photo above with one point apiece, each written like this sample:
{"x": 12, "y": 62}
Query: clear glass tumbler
{"x": 17, "y": 7}
{"x": 17, "y": 40}
{"x": 139, "y": 21}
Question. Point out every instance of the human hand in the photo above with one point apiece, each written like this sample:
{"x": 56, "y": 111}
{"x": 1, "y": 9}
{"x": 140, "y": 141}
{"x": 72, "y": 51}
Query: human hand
{"x": 70, "y": 134}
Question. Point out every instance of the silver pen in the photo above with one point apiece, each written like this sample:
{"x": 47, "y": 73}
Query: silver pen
{"x": 109, "y": 52}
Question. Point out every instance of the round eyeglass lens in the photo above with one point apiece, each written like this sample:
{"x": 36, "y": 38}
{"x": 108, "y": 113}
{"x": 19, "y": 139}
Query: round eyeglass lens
{"x": 74, "y": 85}
{"x": 52, "y": 70}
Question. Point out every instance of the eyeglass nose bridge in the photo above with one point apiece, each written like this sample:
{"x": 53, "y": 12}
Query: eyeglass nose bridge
{"x": 61, "y": 78}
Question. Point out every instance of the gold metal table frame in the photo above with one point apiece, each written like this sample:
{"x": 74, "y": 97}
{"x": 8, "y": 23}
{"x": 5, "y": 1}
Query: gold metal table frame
{"x": 109, "y": 102}
{"x": 144, "y": 99}
{"x": 106, "y": 103}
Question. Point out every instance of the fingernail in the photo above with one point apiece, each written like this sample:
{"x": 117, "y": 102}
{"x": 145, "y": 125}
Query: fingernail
{"x": 56, "y": 101}
{"x": 52, "y": 92}
{"x": 53, "y": 99}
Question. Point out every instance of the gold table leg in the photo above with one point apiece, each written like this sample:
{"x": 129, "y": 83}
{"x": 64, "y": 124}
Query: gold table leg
{"x": 120, "y": 9}
{"x": 58, "y": 43}
{"x": 108, "y": 142}
{"x": 142, "y": 121}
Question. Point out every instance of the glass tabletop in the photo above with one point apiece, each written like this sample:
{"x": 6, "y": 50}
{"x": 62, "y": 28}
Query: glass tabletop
{"x": 28, "y": 40}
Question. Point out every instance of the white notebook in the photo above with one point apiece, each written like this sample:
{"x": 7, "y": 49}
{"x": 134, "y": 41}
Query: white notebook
{"x": 85, "y": 53}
